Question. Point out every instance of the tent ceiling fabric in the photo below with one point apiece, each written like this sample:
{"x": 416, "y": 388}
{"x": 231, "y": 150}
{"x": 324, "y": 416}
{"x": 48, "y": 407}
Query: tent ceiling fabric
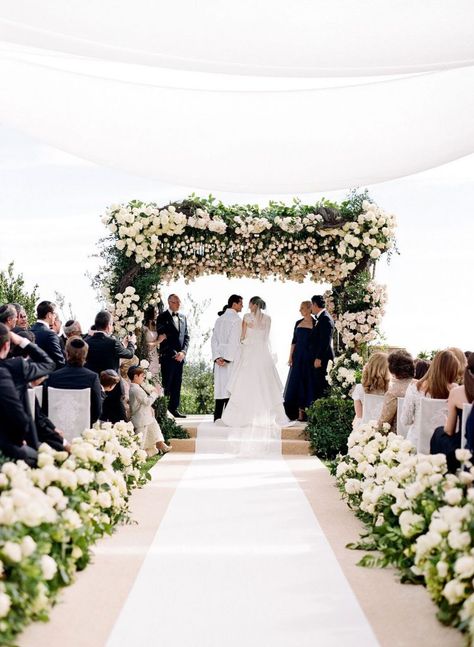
{"x": 304, "y": 38}
{"x": 248, "y": 141}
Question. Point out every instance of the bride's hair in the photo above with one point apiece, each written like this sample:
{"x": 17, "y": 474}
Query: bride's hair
{"x": 234, "y": 298}
{"x": 260, "y": 303}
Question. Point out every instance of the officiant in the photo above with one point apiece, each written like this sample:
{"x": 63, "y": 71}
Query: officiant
{"x": 225, "y": 345}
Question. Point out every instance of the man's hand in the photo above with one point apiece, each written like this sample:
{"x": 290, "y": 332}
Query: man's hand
{"x": 317, "y": 363}
{"x": 290, "y": 362}
{"x": 179, "y": 356}
{"x": 220, "y": 361}
{"x": 161, "y": 338}
{"x": 131, "y": 339}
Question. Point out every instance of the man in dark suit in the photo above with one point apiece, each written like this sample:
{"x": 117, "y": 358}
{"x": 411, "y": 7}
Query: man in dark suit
{"x": 173, "y": 351}
{"x": 321, "y": 344}
{"x": 105, "y": 353}
{"x": 15, "y": 423}
{"x": 46, "y": 338}
{"x": 75, "y": 376}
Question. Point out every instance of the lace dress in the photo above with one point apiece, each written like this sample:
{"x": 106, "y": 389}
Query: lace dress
{"x": 151, "y": 337}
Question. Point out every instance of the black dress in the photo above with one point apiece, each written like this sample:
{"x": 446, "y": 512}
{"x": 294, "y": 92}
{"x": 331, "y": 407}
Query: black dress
{"x": 442, "y": 443}
{"x": 299, "y": 389}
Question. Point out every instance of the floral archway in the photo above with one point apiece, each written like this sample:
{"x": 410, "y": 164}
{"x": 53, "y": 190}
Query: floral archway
{"x": 339, "y": 244}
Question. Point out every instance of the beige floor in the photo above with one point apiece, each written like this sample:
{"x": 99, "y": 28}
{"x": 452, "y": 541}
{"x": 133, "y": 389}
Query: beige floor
{"x": 401, "y": 615}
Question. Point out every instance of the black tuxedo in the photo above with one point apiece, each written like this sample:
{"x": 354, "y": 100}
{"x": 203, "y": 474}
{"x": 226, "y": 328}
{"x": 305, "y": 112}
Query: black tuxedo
{"x": 15, "y": 423}
{"x": 78, "y": 377}
{"x": 105, "y": 353}
{"x": 321, "y": 348}
{"x": 177, "y": 341}
{"x": 48, "y": 340}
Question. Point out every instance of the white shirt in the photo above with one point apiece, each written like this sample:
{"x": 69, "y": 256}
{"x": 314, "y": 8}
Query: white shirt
{"x": 43, "y": 323}
{"x": 174, "y": 318}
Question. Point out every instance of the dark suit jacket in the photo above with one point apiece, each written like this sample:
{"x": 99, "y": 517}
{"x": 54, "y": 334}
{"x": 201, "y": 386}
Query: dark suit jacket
{"x": 321, "y": 338}
{"x": 78, "y": 377}
{"x": 176, "y": 341}
{"x": 105, "y": 352}
{"x": 48, "y": 340}
{"x": 14, "y": 421}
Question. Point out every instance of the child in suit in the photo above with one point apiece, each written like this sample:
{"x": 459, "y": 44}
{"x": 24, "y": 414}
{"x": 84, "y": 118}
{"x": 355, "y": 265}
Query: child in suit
{"x": 142, "y": 414}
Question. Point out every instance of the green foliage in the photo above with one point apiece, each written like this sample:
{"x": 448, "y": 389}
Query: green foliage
{"x": 349, "y": 297}
{"x": 197, "y": 393}
{"x": 329, "y": 426}
{"x": 12, "y": 290}
{"x": 168, "y": 426}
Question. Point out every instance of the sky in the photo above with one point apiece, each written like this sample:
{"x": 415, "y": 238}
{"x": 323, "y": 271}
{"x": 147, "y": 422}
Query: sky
{"x": 51, "y": 203}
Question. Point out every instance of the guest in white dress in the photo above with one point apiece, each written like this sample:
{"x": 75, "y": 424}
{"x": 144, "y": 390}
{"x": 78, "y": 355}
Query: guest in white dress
{"x": 142, "y": 414}
{"x": 437, "y": 383}
{"x": 152, "y": 339}
{"x": 375, "y": 380}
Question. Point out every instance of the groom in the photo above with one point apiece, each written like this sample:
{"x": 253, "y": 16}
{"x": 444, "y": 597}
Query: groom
{"x": 321, "y": 344}
{"x": 225, "y": 345}
{"x": 173, "y": 351}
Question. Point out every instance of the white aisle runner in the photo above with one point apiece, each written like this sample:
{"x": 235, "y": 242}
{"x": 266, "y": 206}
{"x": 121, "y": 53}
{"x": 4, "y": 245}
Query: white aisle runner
{"x": 240, "y": 561}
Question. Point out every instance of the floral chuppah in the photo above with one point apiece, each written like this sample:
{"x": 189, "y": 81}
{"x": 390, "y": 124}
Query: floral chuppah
{"x": 328, "y": 242}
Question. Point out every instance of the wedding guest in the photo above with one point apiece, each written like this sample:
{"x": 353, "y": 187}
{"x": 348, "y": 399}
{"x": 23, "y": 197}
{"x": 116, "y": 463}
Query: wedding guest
{"x": 225, "y": 348}
{"x": 402, "y": 370}
{"x": 46, "y": 338}
{"x": 173, "y": 351}
{"x": 321, "y": 342}
{"x": 8, "y": 315}
{"x": 142, "y": 414}
{"x": 421, "y": 367}
{"x": 125, "y": 364}
{"x": 461, "y": 357}
{"x": 300, "y": 385}
{"x": 22, "y": 318}
{"x": 56, "y": 326}
{"x": 75, "y": 376}
{"x": 105, "y": 352}
{"x": 152, "y": 339}
{"x": 375, "y": 381}
{"x": 437, "y": 383}
{"x": 15, "y": 423}
{"x": 447, "y": 439}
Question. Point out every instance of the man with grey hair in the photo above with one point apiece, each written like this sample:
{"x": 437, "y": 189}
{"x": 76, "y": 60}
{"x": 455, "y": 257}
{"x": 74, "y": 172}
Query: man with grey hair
{"x": 8, "y": 315}
{"x": 71, "y": 328}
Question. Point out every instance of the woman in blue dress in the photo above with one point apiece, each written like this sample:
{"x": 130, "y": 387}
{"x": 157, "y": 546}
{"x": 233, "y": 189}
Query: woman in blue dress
{"x": 299, "y": 389}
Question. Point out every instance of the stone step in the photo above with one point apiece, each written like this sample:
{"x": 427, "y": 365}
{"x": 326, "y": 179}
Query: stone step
{"x": 289, "y": 446}
{"x": 288, "y": 433}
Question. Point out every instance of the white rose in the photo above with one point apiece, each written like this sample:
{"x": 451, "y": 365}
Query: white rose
{"x": 442, "y": 568}
{"x": 459, "y": 540}
{"x": 454, "y": 591}
{"x": 12, "y": 551}
{"x": 28, "y": 546}
{"x": 5, "y": 604}
{"x": 453, "y": 496}
{"x": 464, "y": 567}
{"x": 104, "y": 500}
{"x": 48, "y": 567}
{"x": 463, "y": 455}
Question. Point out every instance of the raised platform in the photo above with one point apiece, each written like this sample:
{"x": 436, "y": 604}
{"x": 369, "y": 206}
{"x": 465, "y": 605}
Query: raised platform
{"x": 293, "y": 438}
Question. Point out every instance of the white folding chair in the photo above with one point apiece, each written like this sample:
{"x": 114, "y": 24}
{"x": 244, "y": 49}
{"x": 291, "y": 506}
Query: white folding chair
{"x": 466, "y": 410}
{"x": 31, "y": 402}
{"x": 433, "y": 414}
{"x": 372, "y": 407}
{"x": 39, "y": 394}
{"x": 69, "y": 410}
{"x": 402, "y": 429}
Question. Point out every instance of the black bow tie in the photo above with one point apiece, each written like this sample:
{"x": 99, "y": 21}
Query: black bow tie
{"x": 175, "y": 314}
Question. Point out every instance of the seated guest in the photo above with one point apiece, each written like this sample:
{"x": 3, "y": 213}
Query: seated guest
{"x": 15, "y": 423}
{"x": 461, "y": 357}
{"x": 421, "y": 367}
{"x": 375, "y": 380}
{"x": 470, "y": 431}
{"x": 72, "y": 328}
{"x": 46, "y": 338}
{"x": 142, "y": 414}
{"x": 8, "y": 315}
{"x": 75, "y": 376}
{"x": 402, "y": 370}
{"x": 22, "y": 318}
{"x": 447, "y": 439}
{"x": 437, "y": 383}
{"x": 105, "y": 352}
{"x": 109, "y": 380}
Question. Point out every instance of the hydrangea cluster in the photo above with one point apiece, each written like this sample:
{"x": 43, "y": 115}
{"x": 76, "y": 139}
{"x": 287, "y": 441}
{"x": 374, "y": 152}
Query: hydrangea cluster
{"x": 418, "y": 515}
{"x": 50, "y": 516}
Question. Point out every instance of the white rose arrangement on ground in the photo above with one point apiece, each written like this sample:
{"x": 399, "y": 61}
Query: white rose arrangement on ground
{"x": 51, "y": 515}
{"x": 419, "y": 517}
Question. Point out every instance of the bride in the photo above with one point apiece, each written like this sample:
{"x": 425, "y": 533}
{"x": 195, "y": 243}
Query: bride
{"x": 256, "y": 400}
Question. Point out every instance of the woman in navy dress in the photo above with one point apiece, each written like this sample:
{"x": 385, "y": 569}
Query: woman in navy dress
{"x": 299, "y": 390}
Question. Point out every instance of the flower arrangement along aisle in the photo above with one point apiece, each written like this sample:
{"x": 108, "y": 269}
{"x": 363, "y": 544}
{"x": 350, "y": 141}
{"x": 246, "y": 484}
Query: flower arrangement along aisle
{"x": 51, "y": 515}
{"x": 419, "y": 517}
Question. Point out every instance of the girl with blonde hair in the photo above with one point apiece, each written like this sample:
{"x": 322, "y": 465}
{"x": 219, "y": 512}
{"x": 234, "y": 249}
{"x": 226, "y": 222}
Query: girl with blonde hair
{"x": 375, "y": 380}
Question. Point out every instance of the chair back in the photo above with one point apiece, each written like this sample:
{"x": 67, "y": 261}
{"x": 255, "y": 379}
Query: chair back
{"x": 466, "y": 410}
{"x": 39, "y": 394}
{"x": 433, "y": 414}
{"x": 69, "y": 410}
{"x": 402, "y": 429}
{"x": 31, "y": 402}
{"x": 372, "y": 407}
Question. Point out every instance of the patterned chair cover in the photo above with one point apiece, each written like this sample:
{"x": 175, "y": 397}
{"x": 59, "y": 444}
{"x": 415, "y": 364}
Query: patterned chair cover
{"x": 372, "y": 407}
{"x": 31, "y": 402}
{"x": 69, "y": 410}
{"x": 402, "y": 429}
{"x": 466, "y": 410}
{"x": 39, "y": 394}
{"x": 433, "y": 414}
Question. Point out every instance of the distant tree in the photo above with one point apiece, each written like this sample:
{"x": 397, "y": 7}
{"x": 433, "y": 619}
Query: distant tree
{"x": 12, "y": 290}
